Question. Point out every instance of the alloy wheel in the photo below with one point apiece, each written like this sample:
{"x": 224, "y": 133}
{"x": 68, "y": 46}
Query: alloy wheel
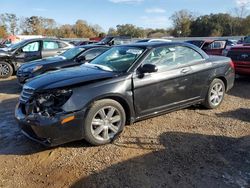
{"x": 4, "y": 70}
{"x": 216, "y": 94}
{"x": 106, "y": 123}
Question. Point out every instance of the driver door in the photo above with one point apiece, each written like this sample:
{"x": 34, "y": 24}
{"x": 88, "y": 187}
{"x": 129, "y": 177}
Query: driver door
{"x": 216, "y": 47}
{"x": 169, "y": 87}
{"x": 29, "y": 52}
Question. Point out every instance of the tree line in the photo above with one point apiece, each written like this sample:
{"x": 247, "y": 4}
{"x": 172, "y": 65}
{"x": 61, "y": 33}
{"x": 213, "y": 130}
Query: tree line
{"x": 35, "y": 25}
{"x": 185, "y": 24}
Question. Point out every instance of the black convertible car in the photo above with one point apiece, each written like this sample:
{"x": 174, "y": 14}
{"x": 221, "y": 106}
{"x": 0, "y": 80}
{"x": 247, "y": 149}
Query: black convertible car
{"x": 123, "y": 85}
{"x": 72, "y": 57}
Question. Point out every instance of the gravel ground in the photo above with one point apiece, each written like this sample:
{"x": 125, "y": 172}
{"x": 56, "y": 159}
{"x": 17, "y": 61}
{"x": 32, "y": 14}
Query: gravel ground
{"x": 188, "y": 148}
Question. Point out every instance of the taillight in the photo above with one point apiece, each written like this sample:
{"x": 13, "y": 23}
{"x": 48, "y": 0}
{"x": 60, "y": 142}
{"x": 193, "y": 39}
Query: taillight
{"x": 232, "y": 64}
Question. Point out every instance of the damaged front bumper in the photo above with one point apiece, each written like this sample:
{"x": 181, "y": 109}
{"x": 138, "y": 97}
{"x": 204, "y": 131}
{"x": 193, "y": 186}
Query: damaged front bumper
{"x": 50, "y": 131}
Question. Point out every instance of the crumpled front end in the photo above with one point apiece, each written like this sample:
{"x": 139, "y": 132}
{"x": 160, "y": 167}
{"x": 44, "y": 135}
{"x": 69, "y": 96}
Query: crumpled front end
{"x": 41, "y": 117}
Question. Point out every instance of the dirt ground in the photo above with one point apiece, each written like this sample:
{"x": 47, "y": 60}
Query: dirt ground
{"x": 189, "y": 148}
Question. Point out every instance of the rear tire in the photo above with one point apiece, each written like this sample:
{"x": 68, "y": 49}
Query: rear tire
{"x": 215, "y": 94}
{"x": 104, "y": 122}
{"x": 6, "y": 70}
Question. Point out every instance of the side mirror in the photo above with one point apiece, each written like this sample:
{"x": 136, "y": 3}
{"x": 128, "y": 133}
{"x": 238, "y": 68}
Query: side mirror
{"x": 148, "y": 68}
{"x": 80, "y": 59}
{"x": 20, "y": 54}
{"x": 111, "y": 43}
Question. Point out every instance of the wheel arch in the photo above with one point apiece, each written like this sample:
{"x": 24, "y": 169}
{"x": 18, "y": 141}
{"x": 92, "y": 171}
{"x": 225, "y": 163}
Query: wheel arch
{"x": 121, "y": 100}
{"x": 223, "y": 79}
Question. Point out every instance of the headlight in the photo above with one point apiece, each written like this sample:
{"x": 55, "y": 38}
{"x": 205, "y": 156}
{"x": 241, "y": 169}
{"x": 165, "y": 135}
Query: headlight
{"x": 32, "y": 69}
{"x": 51, "y": 102}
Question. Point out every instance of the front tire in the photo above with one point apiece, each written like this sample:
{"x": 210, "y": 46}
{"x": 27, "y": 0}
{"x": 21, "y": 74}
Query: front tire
{"x": 215, "y": 94}
{"x": 104, "y": 121}
{"x": 6, "y": 70}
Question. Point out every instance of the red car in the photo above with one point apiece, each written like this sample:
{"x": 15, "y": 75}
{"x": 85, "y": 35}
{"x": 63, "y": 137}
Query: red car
{"x": 211, "y": 47}
{"x": 240, "y": 55}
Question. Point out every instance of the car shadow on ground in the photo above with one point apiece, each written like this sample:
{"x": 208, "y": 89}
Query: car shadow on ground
{"x": 241, "y": 84}
{"x": 242, "y": 114}
{"x": 10, "y": 86}
{"x": 187, "y": 160}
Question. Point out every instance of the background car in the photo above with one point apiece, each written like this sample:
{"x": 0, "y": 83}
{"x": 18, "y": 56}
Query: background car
{"x": 153, "y": 40}
{"x": 13, "y": 57}
{"x": 211, "y": 47}
{"x": 72, "y": 57}
{"x": 86, "y": 42}
{"x": 240, "y": 55}
{"x": 125, "y": 84}
{"x": 115, "y": 40}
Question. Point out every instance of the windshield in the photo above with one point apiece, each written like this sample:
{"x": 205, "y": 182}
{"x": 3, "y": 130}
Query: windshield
{"x": 71, "y": 53}
{"x": 106, "y": 40}
{"x": 16, "y": 45}
{"x": 247, "y": 40}
{"x": 118, "y": 59}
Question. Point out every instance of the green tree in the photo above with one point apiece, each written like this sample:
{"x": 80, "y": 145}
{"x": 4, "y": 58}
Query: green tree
{"x": 246, "y": 26}
{"x": 112, "y": 32}
{"x": 156, "y": 33}
{"x": 130, "y": 30}
{"x": 214, "y": 25}
{"x": 182, "y": 21}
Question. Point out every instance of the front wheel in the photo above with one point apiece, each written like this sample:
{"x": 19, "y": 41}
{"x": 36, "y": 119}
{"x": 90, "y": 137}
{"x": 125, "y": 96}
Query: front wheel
{"x": 104, "y": 121}
{"x": 6, "y": 70}
{"x": 215, "y": 94}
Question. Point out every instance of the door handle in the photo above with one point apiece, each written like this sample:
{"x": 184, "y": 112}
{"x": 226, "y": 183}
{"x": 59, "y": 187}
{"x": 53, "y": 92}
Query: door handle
{"x": 184, "y": 71}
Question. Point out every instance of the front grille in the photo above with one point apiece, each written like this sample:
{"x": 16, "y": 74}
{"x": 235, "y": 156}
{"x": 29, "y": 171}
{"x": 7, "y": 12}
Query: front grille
{"x": 239, "y": 56}
{"x": 26, "y": 94}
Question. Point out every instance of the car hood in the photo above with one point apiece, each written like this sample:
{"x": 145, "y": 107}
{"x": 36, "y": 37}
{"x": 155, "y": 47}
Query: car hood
{"x": 4, "y": 53}
{"x": 45, "y": 61}
{"x": 69, "y": 77}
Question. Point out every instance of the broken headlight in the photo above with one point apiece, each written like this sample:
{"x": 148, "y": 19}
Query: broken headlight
{"x": 48, "y": 104}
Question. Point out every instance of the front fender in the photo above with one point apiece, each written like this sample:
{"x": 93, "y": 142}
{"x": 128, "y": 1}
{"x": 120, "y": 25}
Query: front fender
{"x": 84, "y": 96}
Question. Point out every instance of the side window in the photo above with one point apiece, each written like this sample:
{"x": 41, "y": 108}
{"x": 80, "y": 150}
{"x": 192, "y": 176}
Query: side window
{"x": 91, "y": 54}
{"x": 172, "y": 57}
{"x": 217, "y": 45}
{"x": 31, "y": 47}
{"x": 62, "y": 45}
{"x": 50, "y": 45}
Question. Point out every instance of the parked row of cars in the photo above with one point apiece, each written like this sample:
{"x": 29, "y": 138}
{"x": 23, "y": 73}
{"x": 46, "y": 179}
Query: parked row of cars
{"x": 91, "y": 92}
{"x": 239, "y": 53}
{"x": 12, "y": 57}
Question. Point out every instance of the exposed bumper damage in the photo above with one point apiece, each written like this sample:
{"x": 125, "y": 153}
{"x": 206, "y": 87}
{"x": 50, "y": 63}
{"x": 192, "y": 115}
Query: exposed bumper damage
{"x": 41, "y": 118}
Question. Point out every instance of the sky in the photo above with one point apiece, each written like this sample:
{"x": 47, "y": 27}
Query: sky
{"x": 109, "y": 13}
